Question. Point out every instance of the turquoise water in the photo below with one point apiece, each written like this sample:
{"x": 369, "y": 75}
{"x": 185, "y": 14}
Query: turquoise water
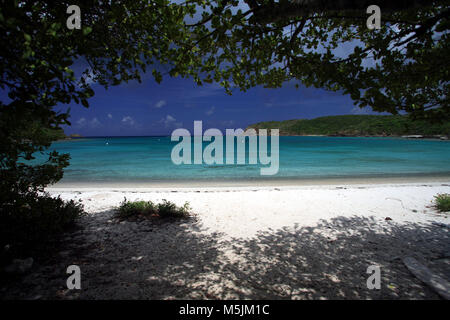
{"x": 118, "y": 159}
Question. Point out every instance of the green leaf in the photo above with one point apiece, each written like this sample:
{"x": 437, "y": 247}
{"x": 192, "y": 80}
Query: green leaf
{"x": 84, "y": 103}
{"x": 87, "y": 30}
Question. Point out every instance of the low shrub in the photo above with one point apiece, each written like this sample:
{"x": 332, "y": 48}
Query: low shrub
{"x": 30, "y": 221}
{"x": 146, "y": 209}
{"x": 442, "y": 202}
{"x": 128, "y": 209}
{"x": 168, "y": 209}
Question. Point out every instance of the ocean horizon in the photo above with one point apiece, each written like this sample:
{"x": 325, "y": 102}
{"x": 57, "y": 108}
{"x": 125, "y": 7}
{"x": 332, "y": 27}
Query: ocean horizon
{"x": 148, "y": 158}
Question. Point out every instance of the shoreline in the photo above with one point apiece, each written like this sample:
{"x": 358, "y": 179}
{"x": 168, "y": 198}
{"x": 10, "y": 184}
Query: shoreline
{"x": 442, "y": 137}
{"x": 244, "y": 184}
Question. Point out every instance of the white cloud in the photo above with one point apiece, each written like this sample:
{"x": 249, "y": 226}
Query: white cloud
{"x": 81, "y": 122}
{"x": 129, "y": 121}
{"x": 170, "y": 121}
{"x": 210, "y": 111}
{"x": 169, "y": 118}
{"x": 160, "y": 104}
{"x": 94, "y": 123}
{"x": 110, "y": 116}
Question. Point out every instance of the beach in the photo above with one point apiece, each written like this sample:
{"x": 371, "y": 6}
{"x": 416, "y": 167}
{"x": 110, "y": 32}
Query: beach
{"x": 226, "y": 151}
{"x": 285, "y": 241}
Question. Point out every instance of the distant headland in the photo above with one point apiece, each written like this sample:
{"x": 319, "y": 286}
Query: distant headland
{"x": 59, "y": 134}
{"x": 74, "y": 136}
{"x": 359, "y": 126}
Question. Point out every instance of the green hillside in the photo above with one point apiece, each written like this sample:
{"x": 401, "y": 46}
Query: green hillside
{"x": 356, "y": 125}
{"x": 58, "y": 134}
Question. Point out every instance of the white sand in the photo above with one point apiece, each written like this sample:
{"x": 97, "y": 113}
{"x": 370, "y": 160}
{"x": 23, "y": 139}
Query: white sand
{"x": 286, "y": 242}
{"x": 244, "y": 211}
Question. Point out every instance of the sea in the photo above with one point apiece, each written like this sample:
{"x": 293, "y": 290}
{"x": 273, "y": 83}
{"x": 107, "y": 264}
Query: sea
{"x": 148, "y": 159}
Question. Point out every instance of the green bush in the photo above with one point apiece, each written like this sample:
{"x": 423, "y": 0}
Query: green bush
{"x": 442, "y": 202}
{"x": 166, "y": 209}
{"x": 30, "y": 221}
{"x": 129, "y": 209}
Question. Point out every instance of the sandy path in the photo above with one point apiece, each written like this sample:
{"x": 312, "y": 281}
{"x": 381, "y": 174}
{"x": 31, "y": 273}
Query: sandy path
{"x": 291, "y": 242}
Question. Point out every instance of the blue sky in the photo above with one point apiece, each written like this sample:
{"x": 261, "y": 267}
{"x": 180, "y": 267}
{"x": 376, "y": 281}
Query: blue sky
{"x": 150, "y": 108}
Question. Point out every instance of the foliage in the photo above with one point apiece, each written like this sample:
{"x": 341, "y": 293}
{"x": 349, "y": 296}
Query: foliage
{"x": 404, "y": 66}
{"x": 118, "y": 41}
{"x": 31, "y": 221}
{"x": 442, "y": 202}
{"x": 168, "y": 209}
{"x": 359, "y": 125}
{"x": 128, "y": 209}
{"x": 146, "y": 209}
{"x": 55, "y": 134}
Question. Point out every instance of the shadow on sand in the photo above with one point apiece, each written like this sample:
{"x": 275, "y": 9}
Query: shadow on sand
{"x": 181, "y": 260}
